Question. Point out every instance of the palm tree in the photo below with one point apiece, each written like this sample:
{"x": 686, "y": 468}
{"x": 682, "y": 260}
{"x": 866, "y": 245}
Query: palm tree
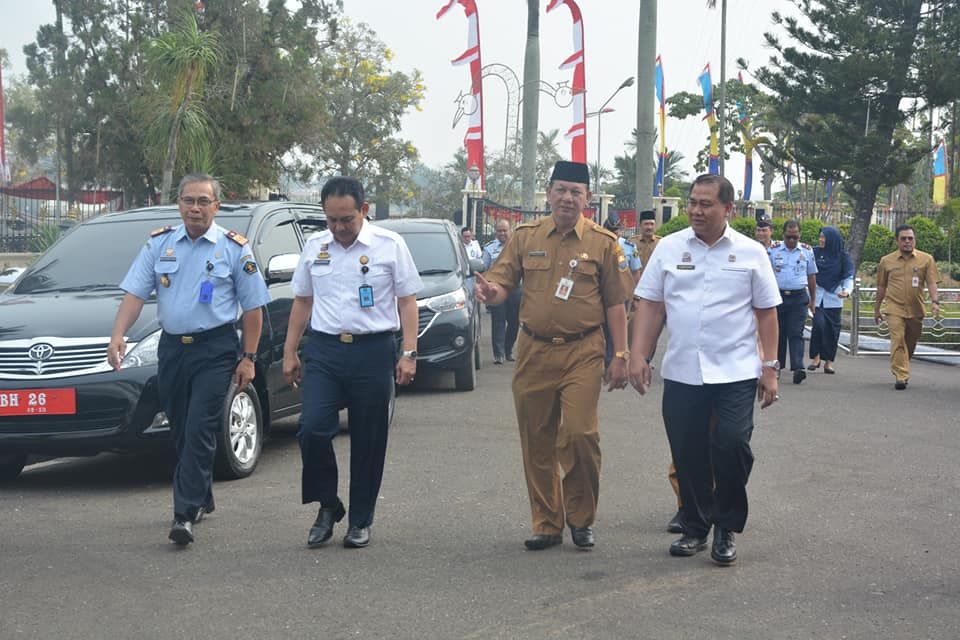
{"x": 531, "y": 105}
{"x": 180, "y": 61}
{"x": 548, "y": 152}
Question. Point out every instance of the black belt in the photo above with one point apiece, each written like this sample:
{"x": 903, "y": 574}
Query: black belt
{"x": 561, "y": 339}
{"x": 792, "y": 292}
{"x": 200, "y": 336}
{"x": 350, "y": 338}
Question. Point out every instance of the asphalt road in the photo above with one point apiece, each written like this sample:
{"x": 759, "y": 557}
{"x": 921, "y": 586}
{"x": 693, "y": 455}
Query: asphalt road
{"x": 854, "y": 498}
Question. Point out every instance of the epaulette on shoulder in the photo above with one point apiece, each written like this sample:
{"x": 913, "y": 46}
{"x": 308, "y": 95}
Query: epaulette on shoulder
{"x": 533, "y": 224}
{"x": 161, "y": 231}
{"x": 239, "y": 238}
{"x": 806, "y": 246}
{"x": 775, "y": 244}
{"x": 606, "y": 232}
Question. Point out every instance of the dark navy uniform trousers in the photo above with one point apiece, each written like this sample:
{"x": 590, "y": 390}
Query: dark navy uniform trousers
{"x": 360, "y": 377}
{"x": 505, "y": 324}
{"x": 791, "y": 316}
{"x": 713, "y": 460}
{"x": 193, "y": 380}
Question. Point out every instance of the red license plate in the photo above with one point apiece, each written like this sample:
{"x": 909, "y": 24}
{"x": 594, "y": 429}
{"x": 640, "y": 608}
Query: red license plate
{"x": 30, "y": 402}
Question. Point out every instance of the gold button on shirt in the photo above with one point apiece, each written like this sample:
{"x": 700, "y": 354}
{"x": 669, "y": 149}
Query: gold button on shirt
{"x": 896, "y": 273}
{"x": 540, "y": 256}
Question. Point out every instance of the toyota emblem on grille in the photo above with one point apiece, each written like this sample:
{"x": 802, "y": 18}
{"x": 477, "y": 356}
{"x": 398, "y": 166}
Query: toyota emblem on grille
{"x": 40, "y": 352}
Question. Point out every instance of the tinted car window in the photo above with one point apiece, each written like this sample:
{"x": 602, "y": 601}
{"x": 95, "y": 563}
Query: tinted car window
{"x": 281, "y": 239}
{"x": 96, "y": 254}
{"x": 433, "y": 252}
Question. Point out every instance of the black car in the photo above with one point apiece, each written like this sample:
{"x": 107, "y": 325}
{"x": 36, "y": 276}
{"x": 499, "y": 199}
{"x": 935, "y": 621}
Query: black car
{"x": 58, "y": 395}
{"x": 449, "y": 331}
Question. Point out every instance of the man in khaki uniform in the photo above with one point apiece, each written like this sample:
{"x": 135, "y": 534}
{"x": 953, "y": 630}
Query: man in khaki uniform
{"x": 646, "y": 241}
{"x": 574, "y": 274}
{"x": 901, "y": 277}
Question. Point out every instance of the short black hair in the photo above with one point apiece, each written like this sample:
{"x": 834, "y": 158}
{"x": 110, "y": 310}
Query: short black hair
{"x": 904, "y": 227}
{"x": 343, "y": 186}
{"x": 724, "y": 186}
{"x": 465, "y": 229}
{"x": 790, "y": 224}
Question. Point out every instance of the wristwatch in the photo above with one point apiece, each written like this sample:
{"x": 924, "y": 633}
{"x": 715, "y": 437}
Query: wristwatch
{"x": 772, "y": 364}
{"x": 623, "y": 355}
{"x": 252, "y": 357}
{"x": 409, "y": 354}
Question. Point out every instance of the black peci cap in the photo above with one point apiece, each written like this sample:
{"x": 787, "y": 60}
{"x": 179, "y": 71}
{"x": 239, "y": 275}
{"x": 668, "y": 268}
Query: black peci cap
{"x": 571, "y": 172}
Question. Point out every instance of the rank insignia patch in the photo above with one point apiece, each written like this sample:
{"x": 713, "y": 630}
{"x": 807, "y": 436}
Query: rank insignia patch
{"x": 250, "y": 267}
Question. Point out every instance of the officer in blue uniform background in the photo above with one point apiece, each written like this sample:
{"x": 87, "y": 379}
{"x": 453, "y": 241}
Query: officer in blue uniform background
{"x": 632, "y": 255}
{"x": 356, "y": 284}
{"x": 795, "y": 267}
{"x": 504, "y": 317}
{"x": 201, "y": 273}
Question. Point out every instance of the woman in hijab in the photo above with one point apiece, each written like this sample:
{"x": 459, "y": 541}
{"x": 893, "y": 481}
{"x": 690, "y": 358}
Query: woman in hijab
{"x": 834, "y": 283}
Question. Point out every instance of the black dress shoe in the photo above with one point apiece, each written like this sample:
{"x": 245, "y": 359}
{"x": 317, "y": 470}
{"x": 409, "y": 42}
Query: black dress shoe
{"x": 510, "y": 358}
{"x": 688, "y": 546}
{"x": 202, "y": 511}
{"x": 799, "y": 375}
{"x": 181, "y": 532}
{"x": 357, "y": 537}
{"x": 582, "y": 536}
{"x": 676, "y": 523}
{"x": 900, "y": 385}
{"x": 497, "y": 360}
{"x": 541, "y": 541}
{"x": 322, "y": 528}
{"x": 724, "y": 549}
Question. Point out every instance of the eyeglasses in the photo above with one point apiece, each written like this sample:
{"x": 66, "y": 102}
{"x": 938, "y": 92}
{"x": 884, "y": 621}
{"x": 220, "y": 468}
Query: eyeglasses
{"x": 200, "y": 202}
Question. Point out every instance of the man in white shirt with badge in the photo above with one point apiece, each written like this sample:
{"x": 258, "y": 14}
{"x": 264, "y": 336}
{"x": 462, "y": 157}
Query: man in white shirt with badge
{"x": 715, "y": 289}
{"x": 356, "y": 284}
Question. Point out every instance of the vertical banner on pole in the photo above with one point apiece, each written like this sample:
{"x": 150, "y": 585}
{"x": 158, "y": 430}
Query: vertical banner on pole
{"x": 578, "y": 131}
{"x": 4, "y": 167}
{"x": 940, "y": 175}
{"x": 473, "y": 141}
{"x": 746, "y": 131}
{"x": 706, "y": 86}
{"x": 659, "y": 88}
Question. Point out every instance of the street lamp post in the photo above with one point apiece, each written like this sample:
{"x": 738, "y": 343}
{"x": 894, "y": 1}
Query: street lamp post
{"x": 599, "y": 112}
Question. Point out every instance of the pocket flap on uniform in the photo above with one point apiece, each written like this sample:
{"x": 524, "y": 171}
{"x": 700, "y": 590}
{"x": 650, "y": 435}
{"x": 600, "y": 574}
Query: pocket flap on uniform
{"x": 167, "y": 266}
{"x": 220, "y": 270}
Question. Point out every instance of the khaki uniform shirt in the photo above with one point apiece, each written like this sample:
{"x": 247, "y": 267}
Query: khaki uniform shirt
{"x": 540, "y": 256}
{"x": 905, "y": 280}
{"x": 644, "y": 248}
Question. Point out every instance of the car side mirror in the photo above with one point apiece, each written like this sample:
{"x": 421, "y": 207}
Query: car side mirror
{"x": 280, "y": 268}
{"x": 476, "y": 264}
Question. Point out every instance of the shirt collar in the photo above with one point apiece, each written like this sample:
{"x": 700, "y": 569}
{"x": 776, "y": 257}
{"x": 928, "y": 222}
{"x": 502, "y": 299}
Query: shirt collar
{"x": 578, "y": 226}
{"x": 727, "y": 234}
{"x": 211, "y": 235}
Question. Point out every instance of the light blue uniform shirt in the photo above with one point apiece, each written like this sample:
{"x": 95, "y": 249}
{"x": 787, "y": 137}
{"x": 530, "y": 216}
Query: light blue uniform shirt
{"x": 791, "y": 268}
{"x": 830, "y": 299}
{"x": 491, "y": 252}
{"x": 631, "y": 254}
{"x": 176, "y": 268}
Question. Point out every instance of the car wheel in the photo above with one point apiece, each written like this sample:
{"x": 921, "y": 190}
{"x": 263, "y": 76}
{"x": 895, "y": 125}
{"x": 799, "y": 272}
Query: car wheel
{"x": 465, "y": 376}
{"x": 11, "y": 464}
{"x": 240, "y": 438}
{"x": 476, "y": 336}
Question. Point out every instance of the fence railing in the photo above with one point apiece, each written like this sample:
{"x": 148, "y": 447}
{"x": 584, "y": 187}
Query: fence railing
{"x": 940, "y": 336}
{"x": 28, "y": 216}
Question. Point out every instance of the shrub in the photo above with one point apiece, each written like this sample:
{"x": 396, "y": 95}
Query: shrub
{"x": 929, "y": 236}
{"x": 746, "y": 226}
{"x": 844, "y": 228}
{"x": 675, "y": 223}
{"x": 777, "y": 224}
{"x": 46, "y": 236}
{"x": 810, "y": 232}
{"x": 868, "y": 268}
{"x": 945, "y": 269}
{"x": 879, "y": 243}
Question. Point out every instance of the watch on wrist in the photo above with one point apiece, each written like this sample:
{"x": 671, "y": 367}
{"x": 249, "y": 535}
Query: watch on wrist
{"x": 772, "y": 364}
{"x": 937, "y": 302}
{"x": 623, "y": 355}
{"x": 249, "y": 355}
{"x": 412, "y": 354}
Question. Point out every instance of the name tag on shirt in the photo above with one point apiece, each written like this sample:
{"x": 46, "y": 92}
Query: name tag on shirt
{"x": 916, "y": 282}
{"x": 537, "y": 254}
{"x": 206, "y": 292}
{"x": 686, "y": 267}
{"x": 366, "y": 296}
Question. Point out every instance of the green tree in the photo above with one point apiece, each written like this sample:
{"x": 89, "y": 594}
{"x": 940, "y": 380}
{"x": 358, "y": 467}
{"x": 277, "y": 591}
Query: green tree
{"x": 858, "y": 56}
{"x": 365, "y": 102}
{"x": 180, "y": 61}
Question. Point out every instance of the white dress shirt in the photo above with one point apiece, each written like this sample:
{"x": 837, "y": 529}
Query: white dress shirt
{"x": 710, "y": 293}
{"x": 474, "y": 250}
{"x": 332, "y": 274}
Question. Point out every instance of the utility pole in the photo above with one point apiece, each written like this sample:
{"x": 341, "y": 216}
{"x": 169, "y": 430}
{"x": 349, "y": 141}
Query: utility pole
{"x": 531, "y": 107}
{"x": 722, "y": 111}
{"x": 646, "y": 96}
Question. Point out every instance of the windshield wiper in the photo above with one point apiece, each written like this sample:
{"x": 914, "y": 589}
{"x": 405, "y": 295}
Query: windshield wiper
{"x": 433, "y": 272}
{"x": 84, "y": 287}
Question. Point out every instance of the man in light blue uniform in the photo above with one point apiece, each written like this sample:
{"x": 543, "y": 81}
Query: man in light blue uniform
{"x": 201, "y": 273}
{"x": 630, "y": 252}
{"x": 795, "y": 268}
{"x": 504, "y": 317}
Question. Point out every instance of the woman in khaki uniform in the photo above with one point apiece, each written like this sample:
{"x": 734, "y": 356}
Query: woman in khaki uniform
{"x": 574, "y": 276}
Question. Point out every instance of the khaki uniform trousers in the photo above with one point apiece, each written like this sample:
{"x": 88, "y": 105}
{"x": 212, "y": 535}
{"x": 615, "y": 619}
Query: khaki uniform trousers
{"x": 904, "y": 334}
{"x": 556, "y": 388}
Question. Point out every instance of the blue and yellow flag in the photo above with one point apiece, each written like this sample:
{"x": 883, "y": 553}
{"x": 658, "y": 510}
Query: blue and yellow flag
{"x": 940, "y": 175}
{"x": 706, "y": 86}
{"x": 661, "y": 100}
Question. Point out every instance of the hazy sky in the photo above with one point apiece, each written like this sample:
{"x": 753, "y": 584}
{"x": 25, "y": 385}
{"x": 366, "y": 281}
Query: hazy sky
{"x": 688, "y": 37}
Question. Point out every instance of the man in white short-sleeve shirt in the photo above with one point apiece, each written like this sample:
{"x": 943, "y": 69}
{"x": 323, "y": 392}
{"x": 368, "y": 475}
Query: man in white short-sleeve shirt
{"x": 716, "y": 290}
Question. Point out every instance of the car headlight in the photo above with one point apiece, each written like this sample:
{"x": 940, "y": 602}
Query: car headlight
{"x": 144, "y": 354}
{"x": 448, "y": 301}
